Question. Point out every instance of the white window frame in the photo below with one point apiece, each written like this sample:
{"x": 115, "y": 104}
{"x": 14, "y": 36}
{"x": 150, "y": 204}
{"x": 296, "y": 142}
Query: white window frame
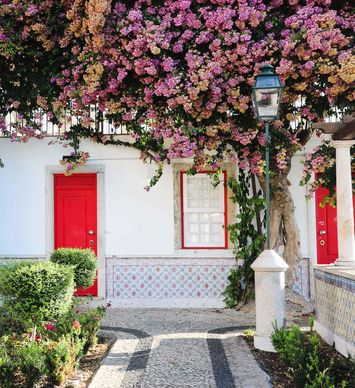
{"x": 221, "y": 209}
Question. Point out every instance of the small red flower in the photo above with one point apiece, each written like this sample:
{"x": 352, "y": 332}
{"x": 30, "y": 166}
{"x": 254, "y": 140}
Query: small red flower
{"x": 37, "y": 338}
{"x": 76, "y": 325}
{"x": 49, "y": 326}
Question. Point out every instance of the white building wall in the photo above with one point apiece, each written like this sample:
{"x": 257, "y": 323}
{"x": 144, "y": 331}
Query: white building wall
{"x": 305, "y": 207}
{"x": 301, "y": 204}
{"x": 138, "y": 225}
{"x": 130, "y": 210}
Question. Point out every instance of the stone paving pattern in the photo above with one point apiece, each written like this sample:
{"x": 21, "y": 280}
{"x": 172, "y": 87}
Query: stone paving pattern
{"x": 179, "y": 348}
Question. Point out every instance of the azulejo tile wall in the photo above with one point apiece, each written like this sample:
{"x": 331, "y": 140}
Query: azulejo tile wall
{"x": 335, "y": 303}
{"x": 167, "y": 278}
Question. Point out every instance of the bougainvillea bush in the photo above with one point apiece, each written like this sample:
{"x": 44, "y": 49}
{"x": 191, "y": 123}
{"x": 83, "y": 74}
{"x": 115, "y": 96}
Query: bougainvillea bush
{"x": 184, "y": 68}
{"x": 178, "y": 75}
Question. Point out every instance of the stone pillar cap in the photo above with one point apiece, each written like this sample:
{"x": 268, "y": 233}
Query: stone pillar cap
{"x": 269, "y": 261}
{"x": 342, "y": 143}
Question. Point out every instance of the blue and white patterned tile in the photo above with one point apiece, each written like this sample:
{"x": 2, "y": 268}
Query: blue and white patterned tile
{"x": 167, "y": 281}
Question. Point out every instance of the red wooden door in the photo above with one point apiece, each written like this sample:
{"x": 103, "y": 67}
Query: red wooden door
{"x": 327, "y": 237}
{"x": 75, "y": 215}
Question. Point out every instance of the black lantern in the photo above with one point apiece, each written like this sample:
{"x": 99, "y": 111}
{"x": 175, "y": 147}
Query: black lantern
{"x": 267, "y": 91}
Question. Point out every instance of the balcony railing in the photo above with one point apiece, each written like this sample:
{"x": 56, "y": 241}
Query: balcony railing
{"x": 44, "y": 127}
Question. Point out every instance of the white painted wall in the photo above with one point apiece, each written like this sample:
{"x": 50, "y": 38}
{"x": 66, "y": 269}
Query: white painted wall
{"x": 299, "y": 198}
{"x": 137, "y": 223}
{"x": 130, "y": 210}
{"x": 305, "y": 208}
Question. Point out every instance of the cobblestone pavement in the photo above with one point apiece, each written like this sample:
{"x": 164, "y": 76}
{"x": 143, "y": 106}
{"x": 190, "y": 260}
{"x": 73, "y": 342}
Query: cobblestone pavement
{"x": 179, "y": 348}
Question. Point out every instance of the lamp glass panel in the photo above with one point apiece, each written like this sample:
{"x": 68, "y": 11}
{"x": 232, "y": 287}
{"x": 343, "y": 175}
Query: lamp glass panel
{"x": 267, "y": 82}
{"x": 267, "y": 102}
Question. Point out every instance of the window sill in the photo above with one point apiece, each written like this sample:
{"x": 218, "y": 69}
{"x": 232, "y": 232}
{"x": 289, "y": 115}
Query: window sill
{"x": 204, "y": 253}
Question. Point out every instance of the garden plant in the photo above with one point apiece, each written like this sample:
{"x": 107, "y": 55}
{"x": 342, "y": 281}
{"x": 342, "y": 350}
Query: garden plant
{"x": 82, "y": 260}
{"x": 44, "y": 330}
{"x": 308, "y": 367}
{"x": 177, "y": 75}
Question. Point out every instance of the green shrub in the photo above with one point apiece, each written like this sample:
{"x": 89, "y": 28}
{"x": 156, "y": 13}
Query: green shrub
{"x": 9, "y": 324}
{"x": 316, "y": 377}
{"x": 32, "y": 362}
{"x": 289, "y": 346}
{"x": 35, "y": 292}
{"x": 90, "y": 324}
{"x": 84, "y": 263}
{"x": 8, "y": 365}
{"x": 300, "y": 353}
{"x": 62, "y": 358}
{"x": 82, "y": 321}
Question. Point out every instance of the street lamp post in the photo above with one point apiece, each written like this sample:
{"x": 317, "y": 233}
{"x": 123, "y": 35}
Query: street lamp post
{"x": 267, "y": 91}
{"x": 269, "y": 267}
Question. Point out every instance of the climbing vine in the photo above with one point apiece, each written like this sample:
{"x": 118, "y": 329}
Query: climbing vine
{"x": 247, "y": 239}
{"x": 320, "y": 171}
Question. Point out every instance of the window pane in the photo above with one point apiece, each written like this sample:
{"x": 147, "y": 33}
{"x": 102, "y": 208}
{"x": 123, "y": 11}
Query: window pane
{"x": 203, "y": 203}
{"x": 192, "y": 238}
{"x": 204, "y": 228}
{"x": 192, "y": 203}
{"x": 215, "y": 237}
{"x": 204, "y": 218}
{"x": 205, "y": 238}
{"x": 203, "y": 212}
{"x": 215, "y": 228}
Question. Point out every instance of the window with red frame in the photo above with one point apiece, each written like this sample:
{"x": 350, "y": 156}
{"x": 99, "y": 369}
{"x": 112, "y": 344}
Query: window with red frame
{"x": 203, "y": 212}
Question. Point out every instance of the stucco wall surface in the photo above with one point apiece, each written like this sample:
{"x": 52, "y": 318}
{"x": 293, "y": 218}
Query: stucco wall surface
{"x": 137, "y": 223}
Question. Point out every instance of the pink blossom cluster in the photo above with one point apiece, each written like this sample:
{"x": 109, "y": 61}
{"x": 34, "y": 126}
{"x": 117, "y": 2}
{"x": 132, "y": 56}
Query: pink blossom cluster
{"x": 160, "y": 66}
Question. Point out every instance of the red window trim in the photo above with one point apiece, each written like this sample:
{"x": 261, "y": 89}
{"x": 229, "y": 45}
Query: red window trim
{"x": 224, "y": 172}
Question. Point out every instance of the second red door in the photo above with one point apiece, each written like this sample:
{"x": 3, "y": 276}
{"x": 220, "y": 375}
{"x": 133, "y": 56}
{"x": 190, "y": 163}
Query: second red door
{"x": 327, "y": 236}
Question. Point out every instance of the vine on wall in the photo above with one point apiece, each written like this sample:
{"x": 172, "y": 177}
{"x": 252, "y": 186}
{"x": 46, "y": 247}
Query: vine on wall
{"x": 247, "y": 240}
{"x": 320, "y": 171}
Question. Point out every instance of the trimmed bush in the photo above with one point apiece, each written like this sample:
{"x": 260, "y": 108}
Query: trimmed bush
{"x": 36, "y": 292}
{"x": 84, "y": 263}
{"x": 8, "y": 323}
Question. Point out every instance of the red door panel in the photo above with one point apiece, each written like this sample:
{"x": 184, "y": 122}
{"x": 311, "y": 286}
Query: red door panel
{"x": 327, "y": 236}
{"x": 75, "y": 215}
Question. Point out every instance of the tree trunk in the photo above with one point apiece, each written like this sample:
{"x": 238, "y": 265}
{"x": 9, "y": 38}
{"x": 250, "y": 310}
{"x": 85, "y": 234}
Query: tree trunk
{"x": 284, "y": 232}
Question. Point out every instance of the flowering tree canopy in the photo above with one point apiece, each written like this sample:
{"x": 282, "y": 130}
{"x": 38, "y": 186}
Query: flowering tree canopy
{"x": 178, "y": 74}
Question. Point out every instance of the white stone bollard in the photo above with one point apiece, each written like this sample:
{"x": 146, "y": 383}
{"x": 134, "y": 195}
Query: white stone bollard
{"x": 269, "y": 270}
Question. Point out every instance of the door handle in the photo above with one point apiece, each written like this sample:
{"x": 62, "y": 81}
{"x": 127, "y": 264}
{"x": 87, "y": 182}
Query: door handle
{"x": 91, "y": 232}
{"x": 322, "y": 232}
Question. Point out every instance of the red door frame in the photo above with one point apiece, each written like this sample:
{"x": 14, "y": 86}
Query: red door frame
{"x": 78, "y": 185}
